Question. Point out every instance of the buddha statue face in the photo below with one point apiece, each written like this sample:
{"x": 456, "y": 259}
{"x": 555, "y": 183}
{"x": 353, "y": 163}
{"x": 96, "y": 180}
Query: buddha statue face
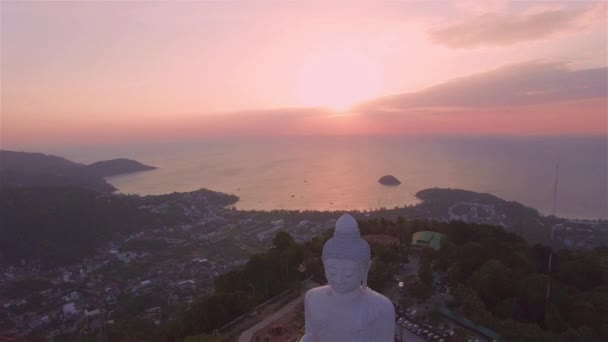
{"x": 344, "y": 275}
{"x": 346, "y": 257}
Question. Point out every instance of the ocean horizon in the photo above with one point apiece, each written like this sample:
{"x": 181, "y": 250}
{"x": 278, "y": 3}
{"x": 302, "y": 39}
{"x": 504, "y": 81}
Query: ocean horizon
{"x": 341, "y": 173}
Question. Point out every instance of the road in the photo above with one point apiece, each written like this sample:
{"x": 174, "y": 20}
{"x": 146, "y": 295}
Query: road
{"x": 247, "y": 335}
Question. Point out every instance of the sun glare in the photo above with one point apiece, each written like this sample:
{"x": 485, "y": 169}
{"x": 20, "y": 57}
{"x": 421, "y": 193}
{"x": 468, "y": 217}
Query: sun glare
{"x": 338, "y": 81}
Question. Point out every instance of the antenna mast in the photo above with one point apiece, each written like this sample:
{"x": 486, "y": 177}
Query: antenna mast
{"x": 549, "y": 274}
{"x": 555, "y": 189}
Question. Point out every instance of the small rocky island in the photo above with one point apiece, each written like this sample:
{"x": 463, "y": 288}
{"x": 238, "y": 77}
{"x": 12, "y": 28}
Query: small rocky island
{"x": 389, "y": 180}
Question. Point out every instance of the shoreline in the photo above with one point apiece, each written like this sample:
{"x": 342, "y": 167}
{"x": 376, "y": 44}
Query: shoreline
{"x": 419, "y": 200}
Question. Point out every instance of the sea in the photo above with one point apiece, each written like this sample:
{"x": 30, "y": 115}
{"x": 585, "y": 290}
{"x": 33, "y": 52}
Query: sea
{"x": 341, "y": 173}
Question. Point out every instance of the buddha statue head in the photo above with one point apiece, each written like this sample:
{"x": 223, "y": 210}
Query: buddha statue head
{"x": 346, "y": 257}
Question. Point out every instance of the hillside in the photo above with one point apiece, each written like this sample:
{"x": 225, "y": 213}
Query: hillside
{"x": 474, "y": 207}
{"x": 59, "y": 225}
{"x": 494, "y": 279}
{"x": 10, "y": 160}
{"x": 116, "y": 167}
{"x": 440, "y": 200}
{"x": 24, "y": 169}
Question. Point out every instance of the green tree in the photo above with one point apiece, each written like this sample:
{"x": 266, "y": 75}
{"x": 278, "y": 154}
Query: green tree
{"x": 420, "y": 290}
{"x": 472, "y": 306}
{"x": 493, "y": 282}
{"x": 425, "y": 273}
{"x": 378, "y": 275}
{"x": 583, "y": 270}
{"x": 524, "y": 332}
{"x": 532, "y": 297}
{"x": 283, "y": 241}
{"x": 454, "y": 275}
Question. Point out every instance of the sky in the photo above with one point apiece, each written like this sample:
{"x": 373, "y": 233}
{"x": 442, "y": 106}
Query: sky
{"x": 93, "y": 72}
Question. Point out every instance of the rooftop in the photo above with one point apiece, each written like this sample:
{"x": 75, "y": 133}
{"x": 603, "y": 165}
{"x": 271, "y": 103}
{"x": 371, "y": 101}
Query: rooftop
{"x": 428, "y": 239}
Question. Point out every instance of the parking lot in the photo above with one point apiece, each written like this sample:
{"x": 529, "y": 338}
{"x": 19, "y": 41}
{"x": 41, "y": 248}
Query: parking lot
{"x": 420, "y": 331}
{"x": 412, "y": 316}
{"x": 402, "y": 334}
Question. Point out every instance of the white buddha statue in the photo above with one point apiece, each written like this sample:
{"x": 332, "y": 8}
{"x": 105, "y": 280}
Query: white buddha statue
{"x": 346, "y": 310}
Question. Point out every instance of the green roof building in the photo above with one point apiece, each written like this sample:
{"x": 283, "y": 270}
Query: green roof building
{"x": 428, "y": 239}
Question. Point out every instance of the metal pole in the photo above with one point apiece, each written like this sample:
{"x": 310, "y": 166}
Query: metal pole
{"x": 549, "y": 271}
{"x": 555, "y": 187}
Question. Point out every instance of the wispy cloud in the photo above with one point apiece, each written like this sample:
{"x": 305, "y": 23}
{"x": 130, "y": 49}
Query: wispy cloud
{"x": 503, "y": 29}
{"x": 511, "y": 85}
{"x": 477, "y": 7}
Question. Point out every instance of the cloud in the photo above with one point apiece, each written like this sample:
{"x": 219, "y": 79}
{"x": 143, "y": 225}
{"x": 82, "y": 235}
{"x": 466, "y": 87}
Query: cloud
{"x": 101, "y": 130}
{"x": 503, "y": 29}
{"x": 481, "y": 7}
{"x": 508, "y": 86}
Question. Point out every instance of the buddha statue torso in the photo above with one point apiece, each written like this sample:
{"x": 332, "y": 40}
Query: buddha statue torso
{"x": 368, "y": 317}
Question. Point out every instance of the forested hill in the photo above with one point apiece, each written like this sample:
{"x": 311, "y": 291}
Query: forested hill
{"x": 118, "y": 166}
{"x": 475, "y": 207}
{"x": 495, "y": 279}
{"x": 440, "y": 200}
{"x": 23, "y": 169}
{"x": 59, "y": 225}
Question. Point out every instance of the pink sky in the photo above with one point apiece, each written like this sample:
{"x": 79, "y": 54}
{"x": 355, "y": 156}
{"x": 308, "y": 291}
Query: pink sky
{"x": 95, "y": 72}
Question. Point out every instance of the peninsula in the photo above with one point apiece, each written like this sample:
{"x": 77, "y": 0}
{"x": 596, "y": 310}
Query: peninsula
{"x": 25, "y": 169}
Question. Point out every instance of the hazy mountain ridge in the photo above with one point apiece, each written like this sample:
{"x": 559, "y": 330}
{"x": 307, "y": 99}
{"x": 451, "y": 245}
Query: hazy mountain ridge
{"x": 13, "y": 160}
{"x": 23, "y": 169}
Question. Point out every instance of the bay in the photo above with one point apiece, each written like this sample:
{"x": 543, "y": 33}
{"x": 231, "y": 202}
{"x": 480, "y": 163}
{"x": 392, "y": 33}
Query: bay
{"x": 341, "y": 173}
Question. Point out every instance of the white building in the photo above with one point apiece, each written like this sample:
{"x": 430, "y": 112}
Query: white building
{"x": 126, "y": 257}
{"x": 92, "y": 313}
{"x": 70, "y": 309}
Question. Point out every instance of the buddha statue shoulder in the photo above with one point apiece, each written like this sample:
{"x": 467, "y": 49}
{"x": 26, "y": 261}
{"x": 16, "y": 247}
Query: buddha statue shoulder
{"x": 346, "y": 309}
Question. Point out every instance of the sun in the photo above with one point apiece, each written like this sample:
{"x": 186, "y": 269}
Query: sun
{"x": 338, "y": 81}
